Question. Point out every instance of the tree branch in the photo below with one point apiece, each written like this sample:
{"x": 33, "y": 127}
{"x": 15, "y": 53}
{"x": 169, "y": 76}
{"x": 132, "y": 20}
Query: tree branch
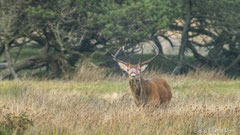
{"x": 235, "y": 61}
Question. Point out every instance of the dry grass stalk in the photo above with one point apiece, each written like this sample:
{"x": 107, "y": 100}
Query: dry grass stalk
{"x": 200, "y": 102}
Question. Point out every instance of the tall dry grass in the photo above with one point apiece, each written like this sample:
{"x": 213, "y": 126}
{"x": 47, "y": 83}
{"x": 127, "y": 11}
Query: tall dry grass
{"x": 89, "y": 72}
{"x": 208, "y": 74}
{"x": 200, "y": 105}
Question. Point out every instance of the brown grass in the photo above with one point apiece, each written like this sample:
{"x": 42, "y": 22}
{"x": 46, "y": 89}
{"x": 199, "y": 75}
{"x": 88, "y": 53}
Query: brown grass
{"x": 208, "y": 74}
{"x": 89, "y": 72}
{"x": 200, "y": 105}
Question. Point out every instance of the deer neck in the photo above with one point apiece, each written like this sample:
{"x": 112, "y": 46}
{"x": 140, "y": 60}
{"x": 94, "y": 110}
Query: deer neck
{"x": 137, "y": 88}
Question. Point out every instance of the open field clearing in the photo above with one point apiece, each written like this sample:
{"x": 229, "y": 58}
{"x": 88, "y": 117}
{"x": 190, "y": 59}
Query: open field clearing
{"x": 200, "y": 105}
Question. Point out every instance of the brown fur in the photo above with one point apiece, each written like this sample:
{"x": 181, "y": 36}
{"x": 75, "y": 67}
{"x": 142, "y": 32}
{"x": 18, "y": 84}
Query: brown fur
{"x": 150, "y": 92}
{"x": 153, "y": 92}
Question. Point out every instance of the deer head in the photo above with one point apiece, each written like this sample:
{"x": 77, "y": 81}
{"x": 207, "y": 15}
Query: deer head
{"x": 134, "y": 71}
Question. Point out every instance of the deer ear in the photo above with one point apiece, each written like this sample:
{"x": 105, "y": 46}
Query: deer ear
{"x": 143, "y": 67}
{"x": 123, "y": 66}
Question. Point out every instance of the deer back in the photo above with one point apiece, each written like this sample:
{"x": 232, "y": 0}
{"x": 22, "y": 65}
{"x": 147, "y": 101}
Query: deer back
{"x": 158, "y": 91}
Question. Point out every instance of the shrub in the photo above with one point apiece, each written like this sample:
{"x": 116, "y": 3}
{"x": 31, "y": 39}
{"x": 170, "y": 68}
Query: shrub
{"x": 13, "y": 123}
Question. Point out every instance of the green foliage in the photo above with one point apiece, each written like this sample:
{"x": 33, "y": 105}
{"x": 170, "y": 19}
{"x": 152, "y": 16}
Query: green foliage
{"x": 41, "y": 13}
{"x": 133, "y": 22}
{"x": 63, "y": 31}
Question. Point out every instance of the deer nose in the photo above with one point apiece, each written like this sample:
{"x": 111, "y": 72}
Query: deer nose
{"x": 132, "y": 74}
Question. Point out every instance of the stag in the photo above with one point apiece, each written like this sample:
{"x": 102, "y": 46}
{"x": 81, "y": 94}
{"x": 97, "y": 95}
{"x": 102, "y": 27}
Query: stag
{"x": 153, "y": 92}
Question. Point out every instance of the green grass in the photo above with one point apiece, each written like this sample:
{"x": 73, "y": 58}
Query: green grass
{"x": 106, "y": 107}
{"x": 215, "y": 86}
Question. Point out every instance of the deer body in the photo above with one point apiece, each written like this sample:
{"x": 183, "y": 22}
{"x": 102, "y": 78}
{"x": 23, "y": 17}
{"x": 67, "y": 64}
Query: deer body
{"x": 150, "y": 92}
{"x": 145, "y": 92}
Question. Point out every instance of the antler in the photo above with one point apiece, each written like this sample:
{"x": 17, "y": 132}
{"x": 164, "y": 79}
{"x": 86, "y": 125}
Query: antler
{"x": 116, "y": 59}
{"x": 125, "y": 54}
{"x": 140, "y": 59}
{"x": 156, "y": 51}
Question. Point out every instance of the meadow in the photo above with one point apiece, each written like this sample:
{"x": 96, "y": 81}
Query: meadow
{"x": 204, "y": 102}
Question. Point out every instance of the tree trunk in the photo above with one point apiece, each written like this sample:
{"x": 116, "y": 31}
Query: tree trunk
{"x": 197, "y": 55}
{"x": 54, "y": 67}
{"x": 29, "y": 63}
{"x": 159, "y": 45}
{"x": 2, "y": 48}
{"x": 184, "y": 40}
{"x": 9, "y": 61}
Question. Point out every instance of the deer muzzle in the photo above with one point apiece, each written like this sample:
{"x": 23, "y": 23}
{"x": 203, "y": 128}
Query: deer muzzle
{"x": 133, "y": 72}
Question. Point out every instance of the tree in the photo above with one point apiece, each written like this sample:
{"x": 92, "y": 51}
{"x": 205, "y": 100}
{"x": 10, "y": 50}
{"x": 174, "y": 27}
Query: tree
{"x": 11, "y": 28}
{"x": 65, "y": 30}
{"x": 214, "y": 26}
{"x": 187, "y": 6}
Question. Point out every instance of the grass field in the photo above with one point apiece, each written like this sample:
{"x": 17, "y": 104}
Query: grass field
{"x": 202, "y": 103}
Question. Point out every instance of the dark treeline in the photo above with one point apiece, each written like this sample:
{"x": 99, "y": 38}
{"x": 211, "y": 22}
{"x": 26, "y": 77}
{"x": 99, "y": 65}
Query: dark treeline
{"x": 64, "y": 31}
